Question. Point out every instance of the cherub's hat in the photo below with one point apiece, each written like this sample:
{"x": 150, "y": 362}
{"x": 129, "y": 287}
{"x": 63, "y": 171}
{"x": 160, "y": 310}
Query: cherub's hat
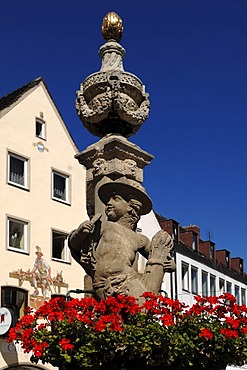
{"x": 128, "y": 189}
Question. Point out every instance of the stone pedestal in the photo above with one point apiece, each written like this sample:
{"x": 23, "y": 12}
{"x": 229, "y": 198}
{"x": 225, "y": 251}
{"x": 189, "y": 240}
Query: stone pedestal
{"x": 109, "y": 159}
{"x": 113, "y": 104}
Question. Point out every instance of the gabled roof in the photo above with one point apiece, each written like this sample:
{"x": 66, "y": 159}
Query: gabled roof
{"x": 7, "y": 100}
{"x": 11, "y": 98}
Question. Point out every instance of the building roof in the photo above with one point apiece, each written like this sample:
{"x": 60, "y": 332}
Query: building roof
{"x": 11, "y": 98}
{"x": 7, "y": 100}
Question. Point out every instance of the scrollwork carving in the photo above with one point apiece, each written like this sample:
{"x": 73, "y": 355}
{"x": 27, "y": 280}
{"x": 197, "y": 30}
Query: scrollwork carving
{"x": 129, "y": 111}
{"x": 97, "y": 110}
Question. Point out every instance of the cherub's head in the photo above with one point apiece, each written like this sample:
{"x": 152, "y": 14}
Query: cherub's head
{"x": 124, "y": 201}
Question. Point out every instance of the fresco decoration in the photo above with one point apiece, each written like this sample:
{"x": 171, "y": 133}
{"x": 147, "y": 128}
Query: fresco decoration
{"x": 40, "y": 279}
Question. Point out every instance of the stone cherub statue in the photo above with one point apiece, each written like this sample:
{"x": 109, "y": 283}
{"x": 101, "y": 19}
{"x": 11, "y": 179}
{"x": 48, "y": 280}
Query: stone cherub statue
{"x": 107, "y": 250}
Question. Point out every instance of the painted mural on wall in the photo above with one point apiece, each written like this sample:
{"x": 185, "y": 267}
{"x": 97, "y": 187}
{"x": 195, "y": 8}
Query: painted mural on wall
{"x": 41, "y": 273}
{"x": 40, "y": 279}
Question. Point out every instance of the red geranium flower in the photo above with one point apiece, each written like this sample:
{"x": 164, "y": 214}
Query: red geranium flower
{"x": 66, "y": 344}
{"x": 229, "y": 333}
{"x": 206, "y": 333}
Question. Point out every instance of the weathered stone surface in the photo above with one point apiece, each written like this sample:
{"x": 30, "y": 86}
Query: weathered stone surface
{"x": 111, "y": 158}
{"x": 112, "y": 100}
{"x": 107, "y": 250}
{"x": 114, "y": 146}
{"x": 113, "y": 104}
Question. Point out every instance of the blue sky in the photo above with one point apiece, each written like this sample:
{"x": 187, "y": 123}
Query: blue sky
{"x": 192, "y": 57}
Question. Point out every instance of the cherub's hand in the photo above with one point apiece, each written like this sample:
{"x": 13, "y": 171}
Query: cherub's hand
{"x": 169, "y": 265}
{"x": 85, "y": 227}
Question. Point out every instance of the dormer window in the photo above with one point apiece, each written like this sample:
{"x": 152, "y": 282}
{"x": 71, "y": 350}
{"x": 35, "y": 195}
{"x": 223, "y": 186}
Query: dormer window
{"x": 40, "y": 128}
{"x": 194, "y": 242}
{"x": 227, "y": 259}
{"x": 211, "y": 251}
{"x": 175, "y": 232}
{"x": 241, "y": 266}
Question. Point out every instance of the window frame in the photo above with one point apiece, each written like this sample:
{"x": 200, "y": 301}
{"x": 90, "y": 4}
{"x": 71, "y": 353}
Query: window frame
{"x": 185, "y": 276}
{"x": 229, "y": 287}
{"x": 243, "y": 296}
{"x": 195, "y": 280}
{"x": 25, "y": 223}
{"x": 41, "y": 122}
{"x": 237, "y": 293}
{"x": 205, "y": 274}
{"x": 175, "y": 232}
{"x": 222, "y": 286}
{"x": 194, "y": 242}
{"x": 211, "y": 251}
{"x": 67, "y": 256}
{"x": 212, "y": 285}
{"x": 67, "y": 178}
{"x": 25, "y": 161}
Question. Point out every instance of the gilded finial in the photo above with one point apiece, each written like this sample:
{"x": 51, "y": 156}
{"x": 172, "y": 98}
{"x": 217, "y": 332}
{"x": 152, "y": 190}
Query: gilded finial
{"x": 112, "y": 27}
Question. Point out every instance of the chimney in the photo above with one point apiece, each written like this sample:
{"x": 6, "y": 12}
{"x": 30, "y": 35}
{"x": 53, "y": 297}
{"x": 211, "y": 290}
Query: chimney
{"x": 223, "y": 256}
{"x": 194, "y": 228}
{"x": 172, "y": 227}
{"x": 237, "y": 264}
{"x": 207, "y": 248}
{"x": 190, "y": 238}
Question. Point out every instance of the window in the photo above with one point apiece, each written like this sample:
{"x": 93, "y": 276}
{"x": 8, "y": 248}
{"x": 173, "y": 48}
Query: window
{"x": 175, "y": 232}
{"x": 237, "y": 294}
{"x": 222, "y": 286}
{"x": 194, "y": 280}
{"x": 60, "y": 187}
{"x": 243, "y": 296}
{"x": 17, "y": 235}
{"x": 241, "y": 266}
{"x": 227, "y": 259}
{"x": 17, "y": 170}
{"x": 211, "y": 251}
{"x": 212, "y": 285}
{"x": 228, "y": 287}
{"x": 40, "y": 128}
{"x": 185, "y": 276}
{"x": 60, "y": 250}
{"x": 204, "y": 283}
{"x": 194, "y": 242}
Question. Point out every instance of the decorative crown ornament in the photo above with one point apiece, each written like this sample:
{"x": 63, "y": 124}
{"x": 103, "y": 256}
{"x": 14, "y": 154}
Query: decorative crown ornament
{"x": 112, "y": 27}
{"x": 112, "y": 101}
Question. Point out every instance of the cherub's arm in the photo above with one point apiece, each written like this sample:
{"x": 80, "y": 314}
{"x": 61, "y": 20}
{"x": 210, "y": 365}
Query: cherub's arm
{"x": 145, "y": 243}
{"x": 77, "y": 236}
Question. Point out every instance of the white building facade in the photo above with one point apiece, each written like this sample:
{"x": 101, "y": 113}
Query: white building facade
{"x": 42, "y": 199}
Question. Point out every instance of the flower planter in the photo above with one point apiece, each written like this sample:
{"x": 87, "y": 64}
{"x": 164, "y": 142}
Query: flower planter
{"x": 108, "y": 367}
{"x": 120, "y": 334}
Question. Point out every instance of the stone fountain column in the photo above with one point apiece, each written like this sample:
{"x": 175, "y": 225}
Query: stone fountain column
{"x": 113, "y": 104}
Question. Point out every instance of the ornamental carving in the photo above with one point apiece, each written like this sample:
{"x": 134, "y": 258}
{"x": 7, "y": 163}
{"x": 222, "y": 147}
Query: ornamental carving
{"x": 115, "y": 168}
{"x": 112, "y": 100}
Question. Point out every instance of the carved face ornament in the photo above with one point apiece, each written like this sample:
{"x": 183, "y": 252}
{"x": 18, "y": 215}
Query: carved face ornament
{"x": 99, "y": 166}
{"x": 130, "y": 167}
